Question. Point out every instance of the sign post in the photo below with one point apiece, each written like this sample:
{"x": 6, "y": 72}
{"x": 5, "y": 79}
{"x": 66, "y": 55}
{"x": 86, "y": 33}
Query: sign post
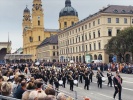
{"x": 88, "y": 58}
{"x": 114, "y": 58}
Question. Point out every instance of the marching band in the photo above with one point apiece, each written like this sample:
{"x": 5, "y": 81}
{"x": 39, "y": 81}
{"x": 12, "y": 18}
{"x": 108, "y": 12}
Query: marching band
{"x": 74, "y": 75}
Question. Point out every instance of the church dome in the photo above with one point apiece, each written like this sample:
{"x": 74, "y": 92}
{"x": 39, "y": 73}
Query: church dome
{"x": 26, "y": 10}
{"x": 68, "y": 10}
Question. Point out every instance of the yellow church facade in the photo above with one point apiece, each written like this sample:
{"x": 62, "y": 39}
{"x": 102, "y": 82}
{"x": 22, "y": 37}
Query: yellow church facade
{"x": 34, "y": 32}
{"x": 33, "y": 29}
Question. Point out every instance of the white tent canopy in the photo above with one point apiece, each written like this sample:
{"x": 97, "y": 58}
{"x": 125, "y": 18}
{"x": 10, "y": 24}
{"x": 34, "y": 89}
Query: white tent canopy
{"x": 17, "y": 56}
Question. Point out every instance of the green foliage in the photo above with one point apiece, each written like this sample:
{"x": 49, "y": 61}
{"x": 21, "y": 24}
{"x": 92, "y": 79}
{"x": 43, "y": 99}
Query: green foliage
{"x": 121, "y": 43}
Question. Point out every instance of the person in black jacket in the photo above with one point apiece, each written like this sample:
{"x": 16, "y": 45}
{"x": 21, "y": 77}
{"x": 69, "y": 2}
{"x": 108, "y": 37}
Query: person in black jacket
{"x": 64, "y": 80}
{"x": 71, "y": 83}
{"x": 91, "y": 75}
{"x": 109, "y": 75}
{"x": 99, "y": 78}
{"x": 117, "y": 84}
{"x": 56, "y": 82}
{"x": 87, "y": 82}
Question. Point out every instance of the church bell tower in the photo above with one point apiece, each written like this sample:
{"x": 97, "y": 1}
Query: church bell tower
{"x": 37, "y": 14}
{"x": 26, "y": 19}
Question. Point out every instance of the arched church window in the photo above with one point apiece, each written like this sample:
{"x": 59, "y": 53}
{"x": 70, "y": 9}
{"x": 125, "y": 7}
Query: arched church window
{"x": 65, "y": 24}
{"x": 39, "y": 38}
{"x": 38, "y": 22}
{"x": 72, "y": 23}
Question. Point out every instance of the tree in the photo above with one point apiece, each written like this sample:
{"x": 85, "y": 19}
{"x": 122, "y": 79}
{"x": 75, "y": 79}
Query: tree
{"x": 121, "y": 43}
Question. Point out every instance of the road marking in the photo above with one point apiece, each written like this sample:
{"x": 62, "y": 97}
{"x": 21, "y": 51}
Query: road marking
{"x": 80, "y": 88}
{"x": 106, "y": 96}
{"x": 127, "y": 82}
{"x": 127, "y": 89}
{"x": 127, "y": 78}
{"x": 122, "y": 87}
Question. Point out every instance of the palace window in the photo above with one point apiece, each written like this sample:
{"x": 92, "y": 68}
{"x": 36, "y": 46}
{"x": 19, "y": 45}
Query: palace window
{"x": 132, "y": 21}
{"x": 117, "y": 31}
{"x": 86, "y": 37}
{"x": 117, "y": 20}
{"x": 82, "y": 37}
{"x": 85, "y": 26}
{"x": 82, "y": 27}
{"x": 79, "y": 49}
{"x": 73, "y": 40}
{"x": 94, "y": 46}
{"x": 109, "y": 20}
{"x": 90, "y": 47}
{"x": 53, "y": 47}
{"x": 99, "y": 45}
{"x": 89, "y": 35}
{"x": 79, "y": 29}
{"x": 98, "y": 33}
{"x": 109, "y": 32}
{"x": 93, "y": 23}
{"x": 115, "y": 11}
{"x": 98, "y": 21}
{"x": 125, "y": 20}
{"x": 54, "y": 53}
{"x": 79, "y": 38}
{"x": 86, "y": 48}
{"x": 89, "y": 25}
{"x": 94, "y": 35}
{"x": 73, "y": 49}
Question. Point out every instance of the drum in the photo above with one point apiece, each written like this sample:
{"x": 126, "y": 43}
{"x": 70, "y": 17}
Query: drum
{"x": 103, "y": 79}
{"x": 60, "y": 82}
{"x": 75, "y": 82}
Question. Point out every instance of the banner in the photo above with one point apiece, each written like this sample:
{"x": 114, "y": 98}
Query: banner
{"x": 88, "y": 58}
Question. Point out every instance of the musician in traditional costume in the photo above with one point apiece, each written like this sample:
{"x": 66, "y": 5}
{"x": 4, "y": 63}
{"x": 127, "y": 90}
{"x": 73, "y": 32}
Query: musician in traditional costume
{"x": 117, "y": 85}
{"x": 71, "y": 82}
{"x": 109, "y": 75}
{"x": 64, "y": 80}
{"x": 99, "y": 78}
{"x": 56, "y": 82}
{"x": 87, "y": 81}
{"x": 91, "y": 75}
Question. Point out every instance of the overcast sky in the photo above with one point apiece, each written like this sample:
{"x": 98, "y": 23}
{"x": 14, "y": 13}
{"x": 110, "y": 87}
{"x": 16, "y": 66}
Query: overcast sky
{"x": 11, "y": 14}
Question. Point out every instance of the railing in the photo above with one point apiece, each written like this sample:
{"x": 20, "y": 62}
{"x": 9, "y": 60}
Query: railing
{"x": 44, "y": 87}
{"x": 58, "y": 91}
{"x": 7, "y": 98}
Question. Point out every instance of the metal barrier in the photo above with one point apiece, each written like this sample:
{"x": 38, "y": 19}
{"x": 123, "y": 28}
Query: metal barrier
{"x": 58, "y": 91}
{"x": 7, "y": 98}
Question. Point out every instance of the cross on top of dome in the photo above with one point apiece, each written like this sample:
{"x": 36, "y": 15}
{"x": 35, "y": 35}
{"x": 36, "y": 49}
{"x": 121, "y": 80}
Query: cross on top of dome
{"x": 68, "y": 3}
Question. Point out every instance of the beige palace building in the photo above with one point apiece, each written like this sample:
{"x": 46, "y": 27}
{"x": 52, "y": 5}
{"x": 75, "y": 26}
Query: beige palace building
{"x": 48, "y": 50}
{"x": 90, "y": 35}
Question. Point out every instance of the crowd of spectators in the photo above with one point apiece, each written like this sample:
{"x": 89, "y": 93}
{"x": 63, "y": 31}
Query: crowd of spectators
{"x": 16, "y": 84}
{"x": 126, "y": 68}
